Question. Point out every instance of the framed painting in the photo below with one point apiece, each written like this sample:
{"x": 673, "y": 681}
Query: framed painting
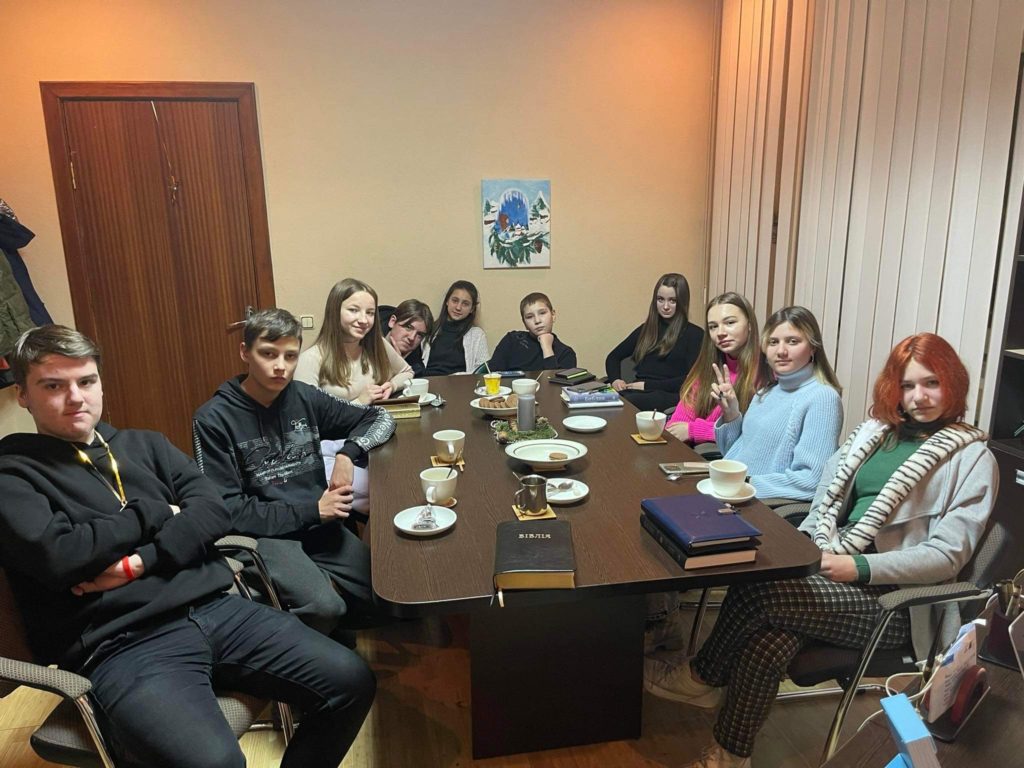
{"x": 516, "y": 223}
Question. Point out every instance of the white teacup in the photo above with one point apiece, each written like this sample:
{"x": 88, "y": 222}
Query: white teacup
{"x": 727, "y": 476}
{"x": 417, "y": 387}
{"x": 439, "y": 484}
{"x": 650, "y": 424}
{"x": 449, "y": 444}
{"x": 525, "y": 386}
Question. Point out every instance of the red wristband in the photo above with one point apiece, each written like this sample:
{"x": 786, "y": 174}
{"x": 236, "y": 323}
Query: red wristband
{"x": 126, "y": 565}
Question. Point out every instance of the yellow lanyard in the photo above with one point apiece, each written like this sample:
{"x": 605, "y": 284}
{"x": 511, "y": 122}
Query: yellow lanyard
{"x": 119, "y": 491}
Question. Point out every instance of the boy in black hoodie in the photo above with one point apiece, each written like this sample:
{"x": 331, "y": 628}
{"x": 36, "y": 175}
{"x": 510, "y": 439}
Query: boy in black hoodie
{"x": 537, "y": 348}
{"x": 258, "y": 440}
{"x": 104, "y": 535}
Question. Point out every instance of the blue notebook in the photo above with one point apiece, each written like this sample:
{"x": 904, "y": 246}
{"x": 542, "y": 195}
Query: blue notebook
{"x": 694, "y": 521}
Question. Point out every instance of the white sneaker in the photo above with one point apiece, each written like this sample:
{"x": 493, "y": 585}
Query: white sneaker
{"x": 672, "y": 680}
{"x": 719, "y": 757}
{"x": 665, "y": 635}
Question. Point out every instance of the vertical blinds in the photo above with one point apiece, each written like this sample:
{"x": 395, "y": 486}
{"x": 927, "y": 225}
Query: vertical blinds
{"x": 890, "y": 201}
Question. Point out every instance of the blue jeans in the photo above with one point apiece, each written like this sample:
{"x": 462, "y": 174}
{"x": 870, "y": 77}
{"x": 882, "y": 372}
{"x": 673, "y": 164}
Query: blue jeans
{"x": 153, "y": 686}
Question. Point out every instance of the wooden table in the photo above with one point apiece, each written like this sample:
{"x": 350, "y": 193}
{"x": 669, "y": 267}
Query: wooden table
{"x": 992, "y": 736}
{"x": 554, "y": 667}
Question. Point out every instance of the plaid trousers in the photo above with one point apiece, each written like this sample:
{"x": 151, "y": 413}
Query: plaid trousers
{"x": 760, "y": 629}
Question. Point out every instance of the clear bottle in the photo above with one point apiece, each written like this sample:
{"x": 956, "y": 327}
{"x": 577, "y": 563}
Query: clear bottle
{"x": 526, "y": 413}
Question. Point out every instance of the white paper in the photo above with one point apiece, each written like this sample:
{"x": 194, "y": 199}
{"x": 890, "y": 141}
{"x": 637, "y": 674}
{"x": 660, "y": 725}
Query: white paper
{"x": 961, "y": 656}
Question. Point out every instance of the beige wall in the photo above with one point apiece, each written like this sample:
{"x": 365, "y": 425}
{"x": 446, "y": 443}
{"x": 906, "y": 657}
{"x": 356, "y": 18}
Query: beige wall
{"x": 378, "y": 120}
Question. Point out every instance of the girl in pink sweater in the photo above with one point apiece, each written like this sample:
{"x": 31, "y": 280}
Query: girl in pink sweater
{"x": 731, "y": 324}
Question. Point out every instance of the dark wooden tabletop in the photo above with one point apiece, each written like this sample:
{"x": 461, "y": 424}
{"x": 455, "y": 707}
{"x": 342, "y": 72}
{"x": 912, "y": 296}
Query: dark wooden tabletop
{"x": 453, "y": 571}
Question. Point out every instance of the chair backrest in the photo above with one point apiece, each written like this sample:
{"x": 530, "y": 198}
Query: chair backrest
{"x": 1000, "y": 553}
{"x": 13, "y": 641}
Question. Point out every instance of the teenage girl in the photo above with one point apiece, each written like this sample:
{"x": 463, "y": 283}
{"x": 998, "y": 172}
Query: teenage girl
{"x": 792, "y": 424}
{"x": 731, "y": 343}
{"x": 663, "y": 349}
{"x": 350, "y": 358}
{"x": 904, "y": 502}
{"x": 456, "y": 345}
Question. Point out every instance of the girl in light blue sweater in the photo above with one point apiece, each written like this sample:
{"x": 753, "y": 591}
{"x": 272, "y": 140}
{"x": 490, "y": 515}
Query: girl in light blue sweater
{"x": 792, "y": 425}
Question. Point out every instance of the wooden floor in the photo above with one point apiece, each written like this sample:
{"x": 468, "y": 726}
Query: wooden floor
{"x": 421, "y": 717}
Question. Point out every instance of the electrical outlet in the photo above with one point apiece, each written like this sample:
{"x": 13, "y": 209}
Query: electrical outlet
{"x": 307, "y": 322}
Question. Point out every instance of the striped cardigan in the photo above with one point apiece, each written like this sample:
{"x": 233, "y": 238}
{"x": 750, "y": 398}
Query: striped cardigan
{"x": 932, "y": 533}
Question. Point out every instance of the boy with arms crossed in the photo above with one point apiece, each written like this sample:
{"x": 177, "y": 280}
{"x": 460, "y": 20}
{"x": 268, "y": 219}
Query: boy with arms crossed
{"x": 106, "y": 535}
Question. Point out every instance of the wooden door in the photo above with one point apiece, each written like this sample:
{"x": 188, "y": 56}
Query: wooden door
{"x": 162, "y": 211}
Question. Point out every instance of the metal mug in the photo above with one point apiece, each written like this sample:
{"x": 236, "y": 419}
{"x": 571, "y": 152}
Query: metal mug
{"x": 532, "y": 496}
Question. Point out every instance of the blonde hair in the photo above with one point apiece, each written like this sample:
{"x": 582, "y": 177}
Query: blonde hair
{"x": 696, "y": 389}
{"x": 805, "y": 322}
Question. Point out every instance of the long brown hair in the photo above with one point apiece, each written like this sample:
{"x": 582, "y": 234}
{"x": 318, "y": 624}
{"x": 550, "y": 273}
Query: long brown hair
{"x": 462, "y": 326}
{"x": 696, "y": 390}
{"x": 335, "y": 366}
{"x": 648, "y": 342}
{"x": 806, "y": 323}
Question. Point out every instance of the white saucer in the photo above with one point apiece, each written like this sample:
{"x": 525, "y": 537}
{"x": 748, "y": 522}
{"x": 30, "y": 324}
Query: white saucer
{"x": 579, "y": 491}
{"x": 585, "y": 423}
{"x": 502, "y": 391}
{"x": 445, "y": 519}
{"x": 425, "y": 398}
{"x": 746, "y": 493}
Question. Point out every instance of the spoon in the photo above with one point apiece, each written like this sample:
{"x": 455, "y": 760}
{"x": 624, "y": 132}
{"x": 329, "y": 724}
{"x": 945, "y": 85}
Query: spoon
{"x": 561, "y": 485}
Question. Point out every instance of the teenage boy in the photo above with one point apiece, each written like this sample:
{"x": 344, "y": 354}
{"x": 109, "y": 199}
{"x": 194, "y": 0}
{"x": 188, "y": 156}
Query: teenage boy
{"x": 105, "y": 537}
{"x": 408, "y": 325}
{"x": 537, "y": 348}
{"x": 258, "y": 440}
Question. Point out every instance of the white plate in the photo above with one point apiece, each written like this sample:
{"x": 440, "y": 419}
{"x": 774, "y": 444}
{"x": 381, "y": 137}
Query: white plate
{"x": 445, "y": 519}
{"x": 578, "y": 491}
{"x": 475, "y": 405}
{"x": 585, "y": 423}
{"x": 426, "y": 397}
{"x": 746, "y": 493}
{"x": 536, "y": 452}
{"x": 502, "y": 391}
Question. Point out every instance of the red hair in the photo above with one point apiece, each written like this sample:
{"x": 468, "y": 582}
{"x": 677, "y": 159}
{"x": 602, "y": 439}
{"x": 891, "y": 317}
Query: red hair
{"x": 935, "y": 354}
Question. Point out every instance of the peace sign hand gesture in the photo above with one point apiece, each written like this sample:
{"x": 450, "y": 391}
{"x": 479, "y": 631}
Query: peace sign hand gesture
{"x": 722, "y": 391}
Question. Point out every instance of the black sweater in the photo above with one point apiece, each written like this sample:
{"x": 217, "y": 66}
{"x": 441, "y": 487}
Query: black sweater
{"x": 267, "y": 462}
{"x": 60, "y": 524}
{"x": 520, "y": 351}
{"x": 665, "y": 374}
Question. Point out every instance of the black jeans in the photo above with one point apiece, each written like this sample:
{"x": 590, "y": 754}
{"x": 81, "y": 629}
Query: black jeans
{"x": 153, "y": 686}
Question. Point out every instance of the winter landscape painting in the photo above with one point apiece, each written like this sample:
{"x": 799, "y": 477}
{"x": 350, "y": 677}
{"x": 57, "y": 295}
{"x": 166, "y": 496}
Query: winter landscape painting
{"x": 516, "y": 223}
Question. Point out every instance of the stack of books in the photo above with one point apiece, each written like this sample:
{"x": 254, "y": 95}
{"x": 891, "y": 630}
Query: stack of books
{"x": 402, "y": 407}
{"x": 698, "y": 532}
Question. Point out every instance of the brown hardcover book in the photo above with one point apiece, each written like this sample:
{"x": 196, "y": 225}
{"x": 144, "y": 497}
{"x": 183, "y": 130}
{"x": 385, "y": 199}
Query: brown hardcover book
{"x": 401, "y": 400}
{"x": 536, "y": 554}
{"x": 403, "y": 412}
{"x": 690, "y": 562}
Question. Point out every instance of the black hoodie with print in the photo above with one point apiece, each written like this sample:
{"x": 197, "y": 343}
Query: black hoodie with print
{"x": 61, "y": 524}
{"x": 266, "y": 460}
